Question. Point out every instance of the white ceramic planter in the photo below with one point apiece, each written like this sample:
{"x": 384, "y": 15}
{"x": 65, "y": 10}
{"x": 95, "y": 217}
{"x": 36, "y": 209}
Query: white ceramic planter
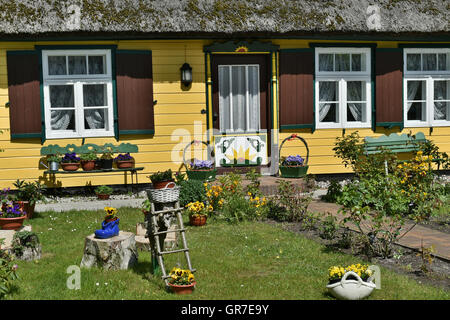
{"x": 351, "y": 289}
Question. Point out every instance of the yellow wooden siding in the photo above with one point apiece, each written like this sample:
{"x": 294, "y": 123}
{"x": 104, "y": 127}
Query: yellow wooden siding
{"x": 178, "y": 118}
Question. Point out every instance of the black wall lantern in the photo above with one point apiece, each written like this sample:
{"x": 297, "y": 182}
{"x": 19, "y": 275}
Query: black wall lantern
{"x": 186, "y": 74}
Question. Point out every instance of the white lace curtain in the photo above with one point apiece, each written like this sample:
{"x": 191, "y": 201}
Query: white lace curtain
{"x": 239, "y": 98}
{"x": 327, "y": 92}
{"x": 441, "y": 93}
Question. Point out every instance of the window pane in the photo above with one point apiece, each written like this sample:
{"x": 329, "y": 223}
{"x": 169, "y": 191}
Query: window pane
{"x": 238, "y": 87}
{"x": 416, "y": 111}
{"x": 442, "y": 111}
{"x": 96, "y": 64}
{"x": 356, "y": 63}
{"x": 443, "y": 61}
{"x": 94, "y": 95}
{"x": 224, "y": 98}
{"x": 77, "y": 65}
{"x": 413, "y": 62}
{"x": 356, "y": 91}
{"x": 342, "y": 62}
{"x": 442, "y": 90}
{"x": 61, "y": 96}
{"x": 96, "y": 118}
{"x": 328, "y": 91}
{"x": 326, "y": 62}
{"x": 328, "y": 112}
{"x": 57, "y": 65}
{"x": 253, "y": 97}
{"x": 416, "y": 90}
{"x": 62, "y": 120}
{"x": 355, "y": 112}
{"x": 429, "y": 61}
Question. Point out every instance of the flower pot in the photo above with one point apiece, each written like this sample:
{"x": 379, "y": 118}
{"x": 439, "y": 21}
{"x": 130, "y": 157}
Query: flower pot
{"x": 351, "y": 289}
{"x": 203, "y": 175}
{"x": 26, "y": 207}
{"x": 12, "y": 223}
{"x": 293, "y": 171}
{"x": 125, "y": 164}
{"x": 88, "y": 165}
{"x": 107, "y": 164}
{"x": 197, "y": 220}
{"x": 182, "y": 289}
{"x": 67, "y": 166}
{"x": 54, "y": 166}
{"x": 103, "y": 196}
{"x": 163, "y": 184}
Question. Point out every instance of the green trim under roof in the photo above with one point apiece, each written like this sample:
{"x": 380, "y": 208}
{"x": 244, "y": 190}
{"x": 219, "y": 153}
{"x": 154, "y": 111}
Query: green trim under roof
{"x": 390, "y": 125}
{"x": 424, "y": 45}
{"x": 342, "y": 44}
{"x": 296, "y": 126}
{"x": 25, "y": 135}
{"x": 75, "y": 46}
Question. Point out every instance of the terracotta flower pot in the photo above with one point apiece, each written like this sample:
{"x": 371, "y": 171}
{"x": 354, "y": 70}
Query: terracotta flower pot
{"x": 125, "y": 164}
{"x": 70, "y": 166}
{"x": 183, "y": 289}
{"x": 103, "y": 196}
{"x": 12, "y": 223}
{"x": 197, "y": 220}
{"x": 88, "y": 165}
{"x": 163, "y": 184}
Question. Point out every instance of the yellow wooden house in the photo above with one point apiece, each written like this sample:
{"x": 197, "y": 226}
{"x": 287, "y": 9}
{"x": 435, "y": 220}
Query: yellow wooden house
{"x": 98, "y": 71}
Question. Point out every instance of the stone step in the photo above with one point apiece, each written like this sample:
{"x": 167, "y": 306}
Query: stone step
{"x": 7, "y": 236}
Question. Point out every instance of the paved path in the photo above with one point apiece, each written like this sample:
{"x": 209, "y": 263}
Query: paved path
{"x": 412, "y": 239}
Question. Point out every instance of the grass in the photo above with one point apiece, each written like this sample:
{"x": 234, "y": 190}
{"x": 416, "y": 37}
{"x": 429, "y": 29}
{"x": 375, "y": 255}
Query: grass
{"x": 245, "y": 261}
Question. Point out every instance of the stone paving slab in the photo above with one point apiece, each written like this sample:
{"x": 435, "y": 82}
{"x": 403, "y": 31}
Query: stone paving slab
{"x": 413, "y": 239}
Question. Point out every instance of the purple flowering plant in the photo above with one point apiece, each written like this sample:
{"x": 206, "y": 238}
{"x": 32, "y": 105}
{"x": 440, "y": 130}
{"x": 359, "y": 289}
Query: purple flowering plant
{"x": 11, "y": 210}
{"x": 123, "y": 157}
{"x": 70, "y": 158}
{"x": 201, "y": 165}
{"x": 292, "y": 161}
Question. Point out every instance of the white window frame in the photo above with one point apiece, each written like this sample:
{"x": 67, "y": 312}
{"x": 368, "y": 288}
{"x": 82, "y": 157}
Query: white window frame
{"x": 342, "y": 77}
{"x": 429, "y": 77}
{"x": 78, "y": 81}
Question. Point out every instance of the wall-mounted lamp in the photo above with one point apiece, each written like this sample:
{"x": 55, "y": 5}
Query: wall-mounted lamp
{"x": 186, "y": 74}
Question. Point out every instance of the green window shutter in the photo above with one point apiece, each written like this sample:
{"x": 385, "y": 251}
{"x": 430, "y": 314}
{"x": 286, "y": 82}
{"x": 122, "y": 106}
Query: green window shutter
{"x": 24, "y": 92}
{"x": 389, "y": 87}
{"x": 134, "y": 92}
{"x": 296, "y": 89}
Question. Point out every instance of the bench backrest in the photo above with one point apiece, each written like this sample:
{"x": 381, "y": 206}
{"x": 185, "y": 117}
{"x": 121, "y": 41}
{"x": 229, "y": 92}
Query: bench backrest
{"x": 88, "y": 147}
{"x": 394, "y": 142}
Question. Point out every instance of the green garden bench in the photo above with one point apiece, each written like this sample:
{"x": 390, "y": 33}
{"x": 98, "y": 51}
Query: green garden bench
{"x": 394, "y": 142}
{"x": 54, "y": 149}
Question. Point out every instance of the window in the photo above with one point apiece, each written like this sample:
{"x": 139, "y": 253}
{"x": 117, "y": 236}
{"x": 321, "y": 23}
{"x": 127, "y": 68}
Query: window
{"x": 239, "y": 100}
{"x": 343, "y": 88}
{"x": 78, "y": 97}
{"x": 426, "y": 93}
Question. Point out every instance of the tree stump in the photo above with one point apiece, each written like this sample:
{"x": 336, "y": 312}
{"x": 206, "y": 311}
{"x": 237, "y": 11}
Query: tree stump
{"x": 116, "y": 253}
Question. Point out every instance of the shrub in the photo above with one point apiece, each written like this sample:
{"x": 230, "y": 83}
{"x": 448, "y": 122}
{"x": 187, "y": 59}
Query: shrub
{"x": 191, "y": 191}
{"x": 329, "y": 227}
{"x": 334, "y": 191}
{"x": 7, "y": 272}
{"x": 294, "y": 199}
{"x": 103, "y": 190}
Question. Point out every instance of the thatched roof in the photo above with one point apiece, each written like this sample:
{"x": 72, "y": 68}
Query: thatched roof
{"x": 227, "y": 17}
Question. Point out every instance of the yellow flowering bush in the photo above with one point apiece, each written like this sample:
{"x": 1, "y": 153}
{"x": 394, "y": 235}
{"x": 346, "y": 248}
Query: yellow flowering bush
{"x": 214, "y": 195}
{"x": 179, "y": 276}
{"x": 335, "y": 273}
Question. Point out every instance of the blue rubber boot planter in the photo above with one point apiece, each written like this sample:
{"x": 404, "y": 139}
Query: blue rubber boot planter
{"x": 108, "y": 230}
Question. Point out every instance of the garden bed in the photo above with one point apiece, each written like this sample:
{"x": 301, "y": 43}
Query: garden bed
{"x": 404, "y": 261}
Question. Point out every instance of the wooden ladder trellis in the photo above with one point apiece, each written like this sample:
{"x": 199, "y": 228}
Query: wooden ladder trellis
{"x": 157, "y": 236}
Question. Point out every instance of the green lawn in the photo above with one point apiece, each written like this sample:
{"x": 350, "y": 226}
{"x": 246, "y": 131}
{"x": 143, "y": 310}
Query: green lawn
{"x": 245, "y": 261}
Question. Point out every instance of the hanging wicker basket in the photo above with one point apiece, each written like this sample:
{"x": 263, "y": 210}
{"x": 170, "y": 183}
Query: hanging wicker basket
{"x": 203, "y": 175}
{"x": 294, "y": 171}
{"x": 171, "y": 193}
